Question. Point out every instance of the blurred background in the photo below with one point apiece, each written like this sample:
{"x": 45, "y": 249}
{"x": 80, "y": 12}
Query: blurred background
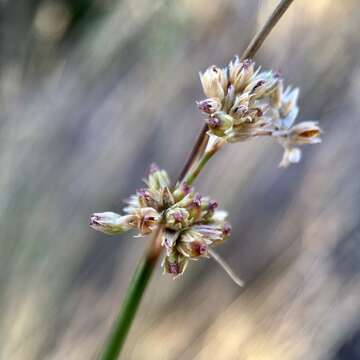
{"x": 92, "y": 92}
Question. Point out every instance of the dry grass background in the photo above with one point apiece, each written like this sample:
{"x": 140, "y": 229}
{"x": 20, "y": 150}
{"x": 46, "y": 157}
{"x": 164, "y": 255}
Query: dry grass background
{"x": 91, "y": 93}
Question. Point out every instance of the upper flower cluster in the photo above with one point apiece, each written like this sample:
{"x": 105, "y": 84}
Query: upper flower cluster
{"x": 191, "y": 222}
{"x": 244, "y": 102}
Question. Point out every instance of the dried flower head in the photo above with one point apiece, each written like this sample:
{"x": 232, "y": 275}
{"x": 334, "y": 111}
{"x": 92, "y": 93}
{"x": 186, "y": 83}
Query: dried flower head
{"x": 191, "y": 222}
{"x": 244, "y": 102}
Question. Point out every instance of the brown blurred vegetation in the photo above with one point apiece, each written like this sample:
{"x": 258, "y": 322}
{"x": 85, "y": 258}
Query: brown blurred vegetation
{"x": 91, "y": 93}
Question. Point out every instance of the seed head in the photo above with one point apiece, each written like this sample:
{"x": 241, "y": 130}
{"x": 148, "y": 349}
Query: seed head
{"x": 174, "y": 263}
{"x": 177, "y": 218}
{"x": 306, "y": 132}
{"x": 209, "y": 106}
{"x": 194, "y": 249}
{"x": 146, "y": 219}
{"x": 240, "y": 73}
{"x": 245, "y": 102}
{"x": 191, "y": 222}
{"x": 157, "y": 178}
{"x": 214, "y": 82}
{"x": 220, "y": 122}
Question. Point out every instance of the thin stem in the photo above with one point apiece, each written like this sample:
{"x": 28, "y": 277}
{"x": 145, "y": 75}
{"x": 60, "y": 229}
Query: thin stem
{"x": 195, "y": 171}
{"x": 260, "y": 37}
{"x": 132, "y": 300}
{"x": 199, "y": 144}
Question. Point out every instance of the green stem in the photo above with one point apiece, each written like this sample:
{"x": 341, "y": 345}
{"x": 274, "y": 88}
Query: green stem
{"x": 129, "y": 308}
{"x": 195, "y": 171}
{"x": 132, "y": 301}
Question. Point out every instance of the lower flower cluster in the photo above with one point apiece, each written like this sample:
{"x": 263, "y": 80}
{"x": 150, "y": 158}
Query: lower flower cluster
{"x": 191, "y": 223}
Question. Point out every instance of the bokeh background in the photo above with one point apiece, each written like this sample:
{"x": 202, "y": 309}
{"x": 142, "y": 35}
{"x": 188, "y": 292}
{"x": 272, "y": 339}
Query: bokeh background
{"x": 91, "y": 92}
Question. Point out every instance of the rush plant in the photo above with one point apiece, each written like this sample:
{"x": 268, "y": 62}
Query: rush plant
{"x": 242, "y": 102}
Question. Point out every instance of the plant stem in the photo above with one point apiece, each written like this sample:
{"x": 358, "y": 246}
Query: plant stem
{"x": 146, "y": 266}
{"x": 132, "y": 300}
{"x": 265, "y": 30}
{"x": 195, "y": 171}
{"x": 199, "y": 144}
{"x": 131, "y": 303}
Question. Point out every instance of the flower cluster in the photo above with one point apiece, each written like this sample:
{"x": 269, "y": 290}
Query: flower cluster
{"x": 244, "y": 102}
{"x": 191, "y": 223}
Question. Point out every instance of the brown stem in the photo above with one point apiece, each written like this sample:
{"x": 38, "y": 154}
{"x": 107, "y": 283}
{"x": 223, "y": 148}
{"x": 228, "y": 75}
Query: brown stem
{"x": 155, "y": 247}
{"x": 249, "y": 52}
{"x": 195, "y": 152}
{"x": 260, "y": 37}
